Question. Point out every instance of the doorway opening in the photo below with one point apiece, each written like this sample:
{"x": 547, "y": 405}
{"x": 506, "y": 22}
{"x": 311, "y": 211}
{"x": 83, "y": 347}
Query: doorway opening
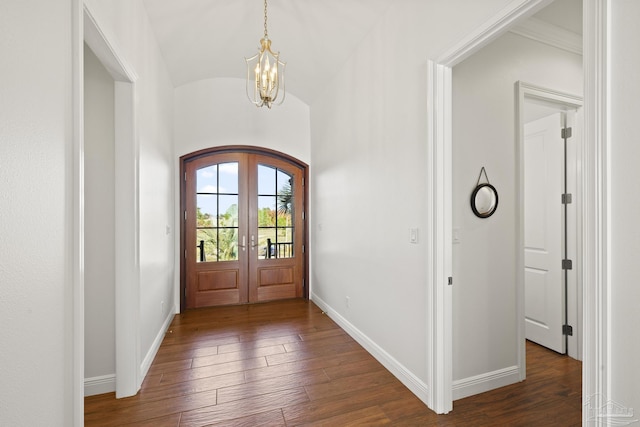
{"x": 243, "y": 233}
{"x": 440, "y": 100}
{"x": 549, "y": 141}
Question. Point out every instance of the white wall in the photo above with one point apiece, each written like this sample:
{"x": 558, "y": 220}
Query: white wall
{"x": 625, "y": 204}
{"x": 99, "y": 166}
{"x": 126, "y": 25}
{"x": 35, "y": 210}
{"x": 484, "y": 294}
{"x": 369, "y": 183}
{"x": 216, "y": 112}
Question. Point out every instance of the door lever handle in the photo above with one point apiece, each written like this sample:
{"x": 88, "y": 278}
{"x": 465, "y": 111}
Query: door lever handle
{"x": 244, "y": 243}
{"x": 253, "y": 242}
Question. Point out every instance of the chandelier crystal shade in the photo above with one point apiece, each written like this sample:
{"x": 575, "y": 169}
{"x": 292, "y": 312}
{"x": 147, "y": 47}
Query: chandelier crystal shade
{"x": 265, "y": 73}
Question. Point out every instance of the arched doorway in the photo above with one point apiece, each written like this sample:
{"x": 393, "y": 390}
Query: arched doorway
{"x": 243, "y": 231}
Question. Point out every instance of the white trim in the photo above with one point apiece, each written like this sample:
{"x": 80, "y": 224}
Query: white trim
{"x": 127, "y": 222}
{"x": 439, "y": 250}
{"x": 105, "y": 49}
{"x": 552, "y": 35}
{"x": 413, "y": 383}
{"x": 100, "y": 385}
{"x": 155, "y": 346}
{"x": 127, "y": 227}
{"x": 77, "y": 195}
{"x": 493, "y": 28}
{"x": 488, "y": 381}
{"x": 563, "y": 100}
{"x": 596, "y": 369}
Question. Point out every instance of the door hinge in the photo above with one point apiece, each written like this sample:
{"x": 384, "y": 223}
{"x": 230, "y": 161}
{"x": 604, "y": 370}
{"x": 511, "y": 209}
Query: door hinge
{"x": 567, "y": 199}
{"x": 565, "y": 133}
{"x": 185, "y": 176}
{"x": 303, "y": 216}
{"x": 567, "y": 330}
{"x": 450, "y": 281}
{"x": 567, "y": 264}
{"x": 185, "y": 254}
{"x": 303, "y": 181}
{"x": 185, "y": 215}
{"x": 303, "y": 248}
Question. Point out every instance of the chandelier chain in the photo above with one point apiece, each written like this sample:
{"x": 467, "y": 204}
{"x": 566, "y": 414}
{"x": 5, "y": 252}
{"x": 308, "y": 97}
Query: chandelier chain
{"x": 266, "y": 36}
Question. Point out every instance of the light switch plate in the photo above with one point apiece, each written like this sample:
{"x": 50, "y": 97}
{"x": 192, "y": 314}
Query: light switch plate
{"x": 413, "y": 235}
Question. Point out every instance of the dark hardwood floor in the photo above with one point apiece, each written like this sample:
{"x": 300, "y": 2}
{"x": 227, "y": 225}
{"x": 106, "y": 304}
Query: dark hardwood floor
{"x": 287, "y": 364}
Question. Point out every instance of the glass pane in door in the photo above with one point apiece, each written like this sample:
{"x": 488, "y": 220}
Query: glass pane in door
{"x": 275, "y": 213}
{"x": 217, "y": 213}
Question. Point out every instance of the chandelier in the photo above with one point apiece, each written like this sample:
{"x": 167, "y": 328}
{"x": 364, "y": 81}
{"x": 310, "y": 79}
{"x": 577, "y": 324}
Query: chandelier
{"x": 265, "y": 73}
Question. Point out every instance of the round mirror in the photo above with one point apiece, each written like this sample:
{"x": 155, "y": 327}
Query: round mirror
{"x": 484, "y": 200}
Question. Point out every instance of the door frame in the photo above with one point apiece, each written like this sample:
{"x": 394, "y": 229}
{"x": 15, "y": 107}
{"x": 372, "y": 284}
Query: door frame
{"x": 596, "y": 224}
{"x": 570, "y": 102}
{"x": 129, "y": 371}
{"x": 250, "y": 150}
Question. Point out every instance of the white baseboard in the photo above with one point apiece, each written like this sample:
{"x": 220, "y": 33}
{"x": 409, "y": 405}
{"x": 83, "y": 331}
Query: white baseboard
{"x": 484, "y": 382}
{"x": 100, "y": 385}
{"x": 406, "y": 377}
{"x": 107, "y": 383}
{"x": 151, "y": 354}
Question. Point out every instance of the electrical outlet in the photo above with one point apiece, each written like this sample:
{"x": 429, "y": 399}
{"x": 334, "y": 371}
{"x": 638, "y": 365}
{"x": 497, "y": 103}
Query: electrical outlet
{"x": 348, "y": 302}
{"x": 162, "y": 307}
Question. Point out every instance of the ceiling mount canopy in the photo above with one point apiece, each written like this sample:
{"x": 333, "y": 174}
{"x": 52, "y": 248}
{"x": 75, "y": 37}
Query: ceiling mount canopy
{"x": 265, "y": 73}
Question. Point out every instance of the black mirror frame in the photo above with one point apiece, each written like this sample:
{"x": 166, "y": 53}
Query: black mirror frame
{"x": 473, "y": 199}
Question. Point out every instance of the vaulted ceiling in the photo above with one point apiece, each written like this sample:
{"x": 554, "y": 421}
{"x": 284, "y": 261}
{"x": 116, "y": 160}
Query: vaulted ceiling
{"x": 210, "y": 38}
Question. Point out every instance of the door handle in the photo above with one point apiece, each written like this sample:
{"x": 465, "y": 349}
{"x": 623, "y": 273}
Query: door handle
{"x": 253, "y": 242}
{"x": 244, "y": 243}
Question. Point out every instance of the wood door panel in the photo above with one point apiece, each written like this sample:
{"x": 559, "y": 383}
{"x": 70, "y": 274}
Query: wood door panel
{"x": 275, "y": 292}
{"x": 275, "y": 276}
{"x": 217, "y": 280}
{"x": 221, "y": 297}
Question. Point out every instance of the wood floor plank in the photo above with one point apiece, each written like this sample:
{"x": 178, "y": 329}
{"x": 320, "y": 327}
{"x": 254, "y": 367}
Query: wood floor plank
{"x": 262, "y": 342}
{"x": 150, "y": 410}
{"x": 319, "y": 345}
{"x": 371, "y": 416}
{"x": 287, "y": 363}
{"x": 265, "y": 419}
{"x": 306, "y": 365}
{"x": 187, "y": 388}
{"x": 329, "y": 333}
{"x": 255, "y": 388}
{"x": 333, "y": 406}
{"x": 351, "y": 384}
{"x": 213, "y": 370}
{"x": 249, "y": 406}
{"x": 354, "y": 368}
{"x": 237, "y": 355}
{"x": 175, "y": 365}
{"x": 168, "y": 421}
{"x": 327, "y": 350}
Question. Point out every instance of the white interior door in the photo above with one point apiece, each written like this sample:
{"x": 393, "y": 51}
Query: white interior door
{"x": 543, "y": 231}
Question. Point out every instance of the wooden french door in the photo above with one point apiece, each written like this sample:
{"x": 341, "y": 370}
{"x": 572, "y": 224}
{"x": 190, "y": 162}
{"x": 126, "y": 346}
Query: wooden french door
{"x": 244, "y": 230}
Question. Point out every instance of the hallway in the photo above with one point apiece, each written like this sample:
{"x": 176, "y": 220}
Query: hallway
{"x": 286, "y": 363}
